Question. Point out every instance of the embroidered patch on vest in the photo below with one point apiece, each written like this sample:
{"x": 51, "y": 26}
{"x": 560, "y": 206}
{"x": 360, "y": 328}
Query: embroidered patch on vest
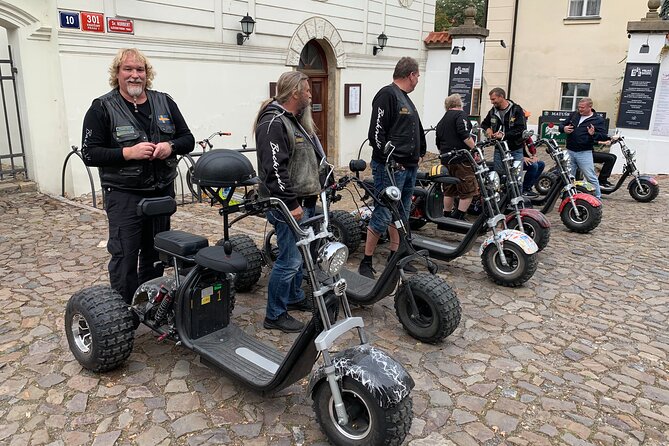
{"x": 125, "y": 130}
{"x": 165, "y": 119}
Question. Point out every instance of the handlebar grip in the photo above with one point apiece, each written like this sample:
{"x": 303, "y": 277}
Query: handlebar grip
{"x": 224, "y": 133}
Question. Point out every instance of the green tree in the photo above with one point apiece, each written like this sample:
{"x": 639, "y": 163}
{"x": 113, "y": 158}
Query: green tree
{"x": 452, "y": 13}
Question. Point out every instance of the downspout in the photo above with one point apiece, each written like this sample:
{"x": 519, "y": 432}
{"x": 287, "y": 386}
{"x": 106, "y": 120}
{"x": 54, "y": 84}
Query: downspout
{"x": 513, "y": 47}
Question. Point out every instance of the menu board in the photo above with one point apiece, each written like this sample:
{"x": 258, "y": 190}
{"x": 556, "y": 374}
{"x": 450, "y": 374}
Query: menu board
{"x": 637, "y": 96}
{"x": 461, "y": 81}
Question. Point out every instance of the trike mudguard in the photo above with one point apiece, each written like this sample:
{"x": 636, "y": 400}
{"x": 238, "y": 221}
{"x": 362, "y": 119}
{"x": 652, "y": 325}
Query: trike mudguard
{"x": 594, "y": 202}
{"x": 521, "y": 239}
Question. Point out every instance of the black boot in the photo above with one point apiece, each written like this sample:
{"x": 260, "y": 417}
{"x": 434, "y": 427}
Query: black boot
{"x": 458, "y": 214}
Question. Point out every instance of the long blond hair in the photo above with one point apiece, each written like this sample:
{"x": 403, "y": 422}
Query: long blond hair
{"x": 289, "y": 83}
{"x": 118, "y": 60}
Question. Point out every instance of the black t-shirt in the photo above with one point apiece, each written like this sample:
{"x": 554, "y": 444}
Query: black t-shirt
{"x": 98, "y": 146}
{"x": 452, "y": 131}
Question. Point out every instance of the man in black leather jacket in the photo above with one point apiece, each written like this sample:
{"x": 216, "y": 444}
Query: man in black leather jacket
{"x": 133, "y": 135}
{"x": 505, "y": 121}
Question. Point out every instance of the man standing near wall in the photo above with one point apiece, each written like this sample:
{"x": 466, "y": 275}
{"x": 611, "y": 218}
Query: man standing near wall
{"x": 506, "y": 122}
{"x": 395, "y": 120}
{"x": 134, "y": 134}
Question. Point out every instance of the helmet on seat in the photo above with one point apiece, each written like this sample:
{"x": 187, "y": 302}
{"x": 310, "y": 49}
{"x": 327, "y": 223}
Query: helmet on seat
{"x": 224, "y": 168}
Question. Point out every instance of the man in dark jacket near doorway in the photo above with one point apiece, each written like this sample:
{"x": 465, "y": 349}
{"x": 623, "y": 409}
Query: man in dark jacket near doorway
{"x": 584, "y": 127}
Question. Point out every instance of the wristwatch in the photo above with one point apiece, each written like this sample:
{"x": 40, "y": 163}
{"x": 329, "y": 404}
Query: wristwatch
{"x": 171, "y": 143}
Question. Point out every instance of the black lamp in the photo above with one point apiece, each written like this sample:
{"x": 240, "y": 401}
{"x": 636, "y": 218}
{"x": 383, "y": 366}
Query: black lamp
{"x": 383, "y": 40}
{"x": 645, "y": 48}
{"x": 456, "y": 49}
{"x": 247, "y": 28}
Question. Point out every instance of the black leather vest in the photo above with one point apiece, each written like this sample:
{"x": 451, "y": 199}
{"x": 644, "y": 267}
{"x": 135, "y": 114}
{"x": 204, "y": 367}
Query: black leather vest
{"x": 404, "y": 133}
{"x": 126, "y": 131}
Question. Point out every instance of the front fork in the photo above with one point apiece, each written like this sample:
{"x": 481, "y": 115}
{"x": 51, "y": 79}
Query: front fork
{"x": 497, "y": 239}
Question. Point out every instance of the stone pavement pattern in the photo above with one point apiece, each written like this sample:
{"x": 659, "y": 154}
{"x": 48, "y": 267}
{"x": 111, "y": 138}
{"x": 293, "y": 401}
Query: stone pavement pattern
{"x": 577, "y": 356}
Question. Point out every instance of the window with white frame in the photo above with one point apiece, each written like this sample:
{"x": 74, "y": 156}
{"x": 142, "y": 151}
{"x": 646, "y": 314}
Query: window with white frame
{"x": 584, "y": 8}
{"x": 572, "y": 92}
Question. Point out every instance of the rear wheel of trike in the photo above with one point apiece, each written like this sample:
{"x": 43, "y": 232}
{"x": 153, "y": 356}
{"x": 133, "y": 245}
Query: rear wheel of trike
{"x": 438, "y": 307}
{"x": 99, "y": 328}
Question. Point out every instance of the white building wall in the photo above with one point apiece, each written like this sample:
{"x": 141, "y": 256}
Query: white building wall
{"x": 217, "y": 84}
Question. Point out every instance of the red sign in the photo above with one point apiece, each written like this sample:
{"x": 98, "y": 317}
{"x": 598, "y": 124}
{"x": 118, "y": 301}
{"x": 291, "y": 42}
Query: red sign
{"x": 120, "y": 26}
{"x": 93, "y": 22}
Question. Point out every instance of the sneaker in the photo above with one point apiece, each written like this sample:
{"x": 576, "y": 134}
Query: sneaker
{"x": 366, "y": 269}
{"x": 530, "y": 193}
{"x": 303, "y": 305}
{"x": 447, "y": 213}
{"x": 286, "y": 323}
{"x": 605, "y": 183}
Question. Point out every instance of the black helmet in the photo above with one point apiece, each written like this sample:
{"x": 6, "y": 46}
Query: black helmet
{"x": 224, "y": 168}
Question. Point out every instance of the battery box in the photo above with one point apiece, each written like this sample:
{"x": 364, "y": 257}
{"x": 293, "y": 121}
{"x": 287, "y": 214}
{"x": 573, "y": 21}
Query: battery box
{"x": 209, "y": 304}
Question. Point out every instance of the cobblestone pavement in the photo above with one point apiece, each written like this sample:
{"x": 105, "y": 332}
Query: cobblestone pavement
{"x": 577, "y": 356}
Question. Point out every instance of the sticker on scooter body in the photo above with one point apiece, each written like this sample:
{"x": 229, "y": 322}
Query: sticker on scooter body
{"x": 519, "y": 238}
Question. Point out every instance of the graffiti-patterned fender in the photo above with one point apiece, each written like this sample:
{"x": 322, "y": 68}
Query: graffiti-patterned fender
{"x": 385, "y": 378}
{"x": 594, "y": 202}
{"x": 521, "y": 239}
{"x": 532, "y": 213}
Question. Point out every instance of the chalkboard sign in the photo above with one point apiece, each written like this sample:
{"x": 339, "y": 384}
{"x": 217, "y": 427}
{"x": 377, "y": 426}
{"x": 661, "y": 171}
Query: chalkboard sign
{"x": 550, "y": 120}
{"x": 636, "y": 99}
{"x": 461, "y": 81}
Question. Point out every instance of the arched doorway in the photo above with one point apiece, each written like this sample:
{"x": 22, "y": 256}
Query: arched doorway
{"x": 314, "y": 64}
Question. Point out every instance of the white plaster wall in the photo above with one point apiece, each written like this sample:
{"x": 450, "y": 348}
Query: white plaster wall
{"x": 436, "y": 89}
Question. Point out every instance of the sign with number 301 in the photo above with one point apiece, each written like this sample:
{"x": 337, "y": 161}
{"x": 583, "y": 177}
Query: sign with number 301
{"x": 93, "y": 22}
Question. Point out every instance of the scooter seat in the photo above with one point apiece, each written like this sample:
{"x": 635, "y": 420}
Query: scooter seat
{"x": 443, "y": 178}
{"x": 179, "y": 243}
{"x": 215, "y": 258}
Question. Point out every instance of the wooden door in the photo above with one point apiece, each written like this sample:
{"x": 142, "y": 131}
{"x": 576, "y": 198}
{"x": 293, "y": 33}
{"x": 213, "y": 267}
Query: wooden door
{"x": 319, "y": 107}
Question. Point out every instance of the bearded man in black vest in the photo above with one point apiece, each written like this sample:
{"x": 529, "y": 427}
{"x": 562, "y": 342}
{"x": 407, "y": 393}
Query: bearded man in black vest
{"x": 133, "y": 135}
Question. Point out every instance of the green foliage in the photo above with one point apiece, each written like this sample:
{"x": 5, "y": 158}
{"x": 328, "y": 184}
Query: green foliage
{"x": 664, "y": 10}
{"x": 452, "y": 13}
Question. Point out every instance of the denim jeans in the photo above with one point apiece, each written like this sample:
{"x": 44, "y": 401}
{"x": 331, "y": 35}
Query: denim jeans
{"x": 532, "y": 172}
{"x": 517, "y": 155}
{"x": 583, "y": 160}
{"x": 285, "y": 280}
{"x": 405, "y": 180}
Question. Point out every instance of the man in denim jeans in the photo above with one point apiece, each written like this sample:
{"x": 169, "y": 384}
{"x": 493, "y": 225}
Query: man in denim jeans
{"x": 394, "y": 119}
{"x": 289, "y": 154}
{"x": 584, "y": 127}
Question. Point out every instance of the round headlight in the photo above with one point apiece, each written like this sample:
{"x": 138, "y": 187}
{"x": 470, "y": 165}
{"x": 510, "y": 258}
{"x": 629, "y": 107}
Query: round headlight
{"x": 393, "y": 192}
{"x": 493, "y": 177}
{"x": 332, "y": 257}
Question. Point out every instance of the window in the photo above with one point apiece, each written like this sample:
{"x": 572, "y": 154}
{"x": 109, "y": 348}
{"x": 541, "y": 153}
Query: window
{"x": 584, "y": 8}
{"x": 572, "y": 93}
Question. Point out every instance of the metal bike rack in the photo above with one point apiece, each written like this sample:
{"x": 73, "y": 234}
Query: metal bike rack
{"x": 75, "y": 151}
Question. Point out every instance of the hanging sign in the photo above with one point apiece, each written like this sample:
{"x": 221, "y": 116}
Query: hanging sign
{"x": 120, "y": 26}
{"x": 93, "y": 22}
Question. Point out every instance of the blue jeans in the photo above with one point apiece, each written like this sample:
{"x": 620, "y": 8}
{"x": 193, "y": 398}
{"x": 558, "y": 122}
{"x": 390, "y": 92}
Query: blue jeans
{"x": 497, "y": 159}
{"x": 405, "y": 180}
{"x": 285, "y": 280}
{"x": 532, "y": 172}
{"x": 583, "y": 160}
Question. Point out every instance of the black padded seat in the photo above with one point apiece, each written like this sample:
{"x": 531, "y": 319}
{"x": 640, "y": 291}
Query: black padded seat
{"x": 180, "y": 243}
{"x": 443, "y": 178}
{"x": 215, "y": 258}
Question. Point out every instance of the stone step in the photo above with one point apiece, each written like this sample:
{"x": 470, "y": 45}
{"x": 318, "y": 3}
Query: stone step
{"x": 15, "y": 186}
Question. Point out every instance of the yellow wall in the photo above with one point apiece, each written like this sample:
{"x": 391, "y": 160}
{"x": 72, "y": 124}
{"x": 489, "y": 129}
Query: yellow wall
{"x": 550, "y": 50}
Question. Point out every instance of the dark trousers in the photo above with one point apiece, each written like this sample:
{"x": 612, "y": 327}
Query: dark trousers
{"x": 131, "y": 241}
{"x": 608, "y": 160}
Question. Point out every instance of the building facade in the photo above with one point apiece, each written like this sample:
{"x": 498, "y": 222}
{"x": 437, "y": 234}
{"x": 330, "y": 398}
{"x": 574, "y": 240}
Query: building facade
{"x": 218, "y": 84}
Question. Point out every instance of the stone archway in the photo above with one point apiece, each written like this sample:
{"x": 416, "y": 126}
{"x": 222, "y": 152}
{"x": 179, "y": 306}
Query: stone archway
{"x": 329, "y": 39}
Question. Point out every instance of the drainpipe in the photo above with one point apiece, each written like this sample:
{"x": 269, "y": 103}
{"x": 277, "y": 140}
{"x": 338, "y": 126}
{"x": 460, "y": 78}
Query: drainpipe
{"x": 513, "y": 47}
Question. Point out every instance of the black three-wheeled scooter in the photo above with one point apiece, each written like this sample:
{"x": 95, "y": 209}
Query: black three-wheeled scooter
{"x": 361, "y": 395}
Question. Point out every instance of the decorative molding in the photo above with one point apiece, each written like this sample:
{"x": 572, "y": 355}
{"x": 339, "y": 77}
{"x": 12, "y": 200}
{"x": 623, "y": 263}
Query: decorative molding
{"x": 15, "y": 16}
{"x": 43, "y": 33}
{"x": 315, "y": 28}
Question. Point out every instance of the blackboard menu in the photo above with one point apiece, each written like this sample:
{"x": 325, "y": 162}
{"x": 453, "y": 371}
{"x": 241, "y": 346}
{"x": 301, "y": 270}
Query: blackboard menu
{"x": 636, "y": 98}
{"x": 461, "y": 81}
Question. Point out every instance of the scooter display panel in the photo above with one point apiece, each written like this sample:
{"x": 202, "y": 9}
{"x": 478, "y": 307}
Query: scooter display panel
{"x": 241, "y": 354}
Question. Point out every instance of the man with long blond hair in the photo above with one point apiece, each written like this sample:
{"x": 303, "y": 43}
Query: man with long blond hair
{"x": 289, "y": 155}
{"x": 133, "y": 135}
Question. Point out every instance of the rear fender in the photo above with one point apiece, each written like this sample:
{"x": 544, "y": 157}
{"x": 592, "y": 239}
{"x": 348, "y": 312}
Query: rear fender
{"x": 381, "y": 375}
{"x": 594, "y": 202}
{"x": 531, "y": 213}
{"x": 521, "y": 239}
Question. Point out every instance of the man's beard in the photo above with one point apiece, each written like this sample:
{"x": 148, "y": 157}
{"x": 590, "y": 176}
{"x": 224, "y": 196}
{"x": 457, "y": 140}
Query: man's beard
{"x": 135, "y": 90}
{"x": 307, "y": 120}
